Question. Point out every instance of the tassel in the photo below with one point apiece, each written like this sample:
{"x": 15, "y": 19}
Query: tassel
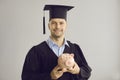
{"x": 43, "y": 24}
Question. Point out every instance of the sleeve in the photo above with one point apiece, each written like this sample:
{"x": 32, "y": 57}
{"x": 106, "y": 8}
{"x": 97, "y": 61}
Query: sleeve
{"x": 85, "y": 70}
{"x": 32, "y": 69}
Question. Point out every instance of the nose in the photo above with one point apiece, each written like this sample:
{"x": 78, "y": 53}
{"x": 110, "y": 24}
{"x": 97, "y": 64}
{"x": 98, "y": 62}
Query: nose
{"x": 57, "y": 25}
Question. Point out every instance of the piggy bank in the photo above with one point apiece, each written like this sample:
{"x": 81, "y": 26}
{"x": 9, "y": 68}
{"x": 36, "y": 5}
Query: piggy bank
{"x": 66, "y": 60}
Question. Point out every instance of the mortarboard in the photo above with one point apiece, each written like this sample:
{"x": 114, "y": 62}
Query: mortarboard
{"x": 56, "y": 11}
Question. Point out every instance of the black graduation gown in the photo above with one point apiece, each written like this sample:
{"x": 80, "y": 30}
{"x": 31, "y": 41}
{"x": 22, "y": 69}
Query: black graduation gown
{"x": 40, "y": 61}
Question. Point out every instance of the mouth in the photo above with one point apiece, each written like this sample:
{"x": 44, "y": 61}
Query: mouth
{"x": 57, "y": 31}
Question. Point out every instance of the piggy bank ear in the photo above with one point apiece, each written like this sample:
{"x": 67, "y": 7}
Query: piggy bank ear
{"x": 72, "y": 54}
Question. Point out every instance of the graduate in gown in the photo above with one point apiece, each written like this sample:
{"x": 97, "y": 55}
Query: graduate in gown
{"x": 41, "y": 60}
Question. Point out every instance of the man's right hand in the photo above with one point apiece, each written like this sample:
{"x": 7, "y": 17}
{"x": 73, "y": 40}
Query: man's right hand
{"x": 57, "y": 72}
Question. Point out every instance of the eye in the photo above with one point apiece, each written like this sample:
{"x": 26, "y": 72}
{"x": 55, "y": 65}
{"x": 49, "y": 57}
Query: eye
{"x": 61, "y": 23}
{"x": 53, "y": 22}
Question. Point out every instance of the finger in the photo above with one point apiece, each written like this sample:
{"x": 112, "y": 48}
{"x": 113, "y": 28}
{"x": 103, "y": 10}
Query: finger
{"x": 57, "y": 67}
{"x": 64, "y": 70}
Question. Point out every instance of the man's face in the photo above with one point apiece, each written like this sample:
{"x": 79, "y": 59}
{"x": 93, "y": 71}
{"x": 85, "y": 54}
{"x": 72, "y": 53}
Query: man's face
{"x": 57, "y": 27}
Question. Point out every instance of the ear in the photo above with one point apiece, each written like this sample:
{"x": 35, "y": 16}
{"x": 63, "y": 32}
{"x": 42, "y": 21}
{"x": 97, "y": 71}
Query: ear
{"x": 49, "y": 25}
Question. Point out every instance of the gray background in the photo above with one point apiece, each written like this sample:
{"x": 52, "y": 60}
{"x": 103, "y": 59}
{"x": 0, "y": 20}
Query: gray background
{"x": 93, "y": 24}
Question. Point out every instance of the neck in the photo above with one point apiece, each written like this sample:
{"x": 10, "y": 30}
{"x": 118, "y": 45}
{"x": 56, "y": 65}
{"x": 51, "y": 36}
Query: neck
{"x": 58, "y": 41}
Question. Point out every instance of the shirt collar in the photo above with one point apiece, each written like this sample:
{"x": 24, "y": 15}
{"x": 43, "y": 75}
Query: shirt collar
{"x": 51, "y": 43}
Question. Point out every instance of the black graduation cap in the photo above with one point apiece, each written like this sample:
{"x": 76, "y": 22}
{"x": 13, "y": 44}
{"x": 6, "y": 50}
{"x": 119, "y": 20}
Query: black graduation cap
{"x": 56, "y": 11}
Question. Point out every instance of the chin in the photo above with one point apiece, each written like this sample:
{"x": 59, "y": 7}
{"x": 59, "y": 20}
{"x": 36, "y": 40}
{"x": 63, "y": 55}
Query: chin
{"x": 57, "y": 36}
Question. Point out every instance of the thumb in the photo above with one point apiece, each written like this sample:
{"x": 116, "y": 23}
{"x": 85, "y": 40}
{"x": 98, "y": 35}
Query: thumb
{"x": 64, "y": 70}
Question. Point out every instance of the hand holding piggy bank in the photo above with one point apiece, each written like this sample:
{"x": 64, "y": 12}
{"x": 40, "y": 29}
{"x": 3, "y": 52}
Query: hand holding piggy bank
{"x": 66, "y": 60}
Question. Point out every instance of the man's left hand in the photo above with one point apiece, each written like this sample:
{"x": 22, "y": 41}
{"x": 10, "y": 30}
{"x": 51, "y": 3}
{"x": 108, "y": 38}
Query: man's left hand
{"x": 75, "y": 69}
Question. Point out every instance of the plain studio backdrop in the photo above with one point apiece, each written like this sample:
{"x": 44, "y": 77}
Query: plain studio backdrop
{"x": 93, "y": 24}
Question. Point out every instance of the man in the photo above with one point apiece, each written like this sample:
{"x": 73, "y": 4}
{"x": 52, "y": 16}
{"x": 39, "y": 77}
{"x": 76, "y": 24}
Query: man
{"x": 41, "y": 60}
